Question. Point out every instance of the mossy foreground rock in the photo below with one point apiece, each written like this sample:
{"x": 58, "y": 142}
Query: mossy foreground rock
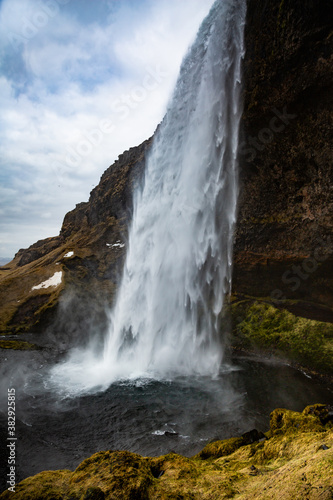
{"x": 294, "y": 460}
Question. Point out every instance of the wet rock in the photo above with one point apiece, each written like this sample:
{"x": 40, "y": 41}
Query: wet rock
{"x": 252, "y": 436}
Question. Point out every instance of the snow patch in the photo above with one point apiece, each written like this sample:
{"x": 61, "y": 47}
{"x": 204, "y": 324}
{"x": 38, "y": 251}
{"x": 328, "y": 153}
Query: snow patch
{"x": 54, "y": 281}
{"x": 69, "y": 254}
{"x": 118, "y": 244}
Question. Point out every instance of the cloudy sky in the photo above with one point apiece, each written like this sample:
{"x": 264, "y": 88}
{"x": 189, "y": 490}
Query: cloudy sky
{"x": 80, "y": 82}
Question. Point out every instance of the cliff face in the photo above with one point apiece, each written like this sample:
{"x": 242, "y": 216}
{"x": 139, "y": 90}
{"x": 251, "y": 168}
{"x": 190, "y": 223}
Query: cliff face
{"x": 283, "y": 245}
{"x": 87, "y": 257}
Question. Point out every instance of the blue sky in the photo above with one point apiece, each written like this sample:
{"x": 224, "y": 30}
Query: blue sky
{"x": 80, "y": 82}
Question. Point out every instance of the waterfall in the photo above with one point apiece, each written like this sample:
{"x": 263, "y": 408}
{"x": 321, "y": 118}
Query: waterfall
{"x": 165, "y": 320}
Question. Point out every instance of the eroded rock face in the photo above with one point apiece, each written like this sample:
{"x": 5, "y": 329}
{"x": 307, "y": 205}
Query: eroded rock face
{"x": 37, "y": 250}
{"x": 112, "y": 198}
{"x": 89, "y": 252}
{"x": 284, "y": 244}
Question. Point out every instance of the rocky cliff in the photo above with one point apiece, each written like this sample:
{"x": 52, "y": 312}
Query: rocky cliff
{"x": 86, "y": 258}
{"x": 283, "y": 242}
{"x": 284, "y": 246}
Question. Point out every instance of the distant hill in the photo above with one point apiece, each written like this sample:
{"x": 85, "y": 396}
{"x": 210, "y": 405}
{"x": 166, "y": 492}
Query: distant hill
{"x": 4, "y": 260}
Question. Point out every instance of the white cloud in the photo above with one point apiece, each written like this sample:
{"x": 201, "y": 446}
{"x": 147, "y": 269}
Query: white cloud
{"x": 74, "y": 94}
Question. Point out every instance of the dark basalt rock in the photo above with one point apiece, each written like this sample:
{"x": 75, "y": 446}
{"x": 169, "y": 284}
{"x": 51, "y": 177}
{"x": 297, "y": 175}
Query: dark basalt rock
{"x": 37, "y": 250}
{"x": 252, "y": 436}
{"x": 286, "y": 199}
{"x": 171, "y": 434}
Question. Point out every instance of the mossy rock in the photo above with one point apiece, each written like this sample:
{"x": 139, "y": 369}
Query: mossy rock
{"x": 17, "y": 345}
{"x": 259, "y": 325}
{"x": 94, "y": 494}
{"x": 323, "y": 412}
{"x": 294, "y": 462}
{"x": 220, "y": 448}
{"x": 124, "y": 475}
{"x": 48, "y": 485}
{"x": 285, "y": 421}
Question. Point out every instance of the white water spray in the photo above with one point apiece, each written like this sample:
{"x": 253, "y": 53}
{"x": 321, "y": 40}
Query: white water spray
{"x": 178, "y": 267}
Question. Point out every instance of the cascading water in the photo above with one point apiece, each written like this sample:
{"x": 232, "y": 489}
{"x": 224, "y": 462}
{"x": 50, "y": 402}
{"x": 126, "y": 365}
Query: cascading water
{"x": 178, "y": 267}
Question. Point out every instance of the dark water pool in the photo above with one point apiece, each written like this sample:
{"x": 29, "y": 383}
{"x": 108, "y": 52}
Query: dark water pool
{"x": 148, "y": 417}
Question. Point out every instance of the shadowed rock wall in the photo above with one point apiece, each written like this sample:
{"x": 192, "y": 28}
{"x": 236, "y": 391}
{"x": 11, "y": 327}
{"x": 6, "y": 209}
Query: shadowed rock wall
{"x": 284, "y": 237}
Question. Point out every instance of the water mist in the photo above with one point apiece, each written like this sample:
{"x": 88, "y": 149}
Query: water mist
{"x": 165, "y": 320}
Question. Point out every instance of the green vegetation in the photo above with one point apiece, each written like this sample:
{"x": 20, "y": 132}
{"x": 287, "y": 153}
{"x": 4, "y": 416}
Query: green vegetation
{"x": 17, "y": 345}
{"x": 293, "y": 460}
{"x": 221, "y": 448}
{"x": 257, "y": 325}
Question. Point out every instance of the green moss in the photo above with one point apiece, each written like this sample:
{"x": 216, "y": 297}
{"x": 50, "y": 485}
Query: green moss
{"x": 49, "y": 485}
{"x": 220, "y": 448}
{"x": 285, "y": 422}
{"x": 17, "y": 345}
{"x": 319, "y": 410}
{"x": 120, "y": 473}
{"x": 257, "y": 324}
{"x": 173, "y": 464}
{"x": 232, "y": 470}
